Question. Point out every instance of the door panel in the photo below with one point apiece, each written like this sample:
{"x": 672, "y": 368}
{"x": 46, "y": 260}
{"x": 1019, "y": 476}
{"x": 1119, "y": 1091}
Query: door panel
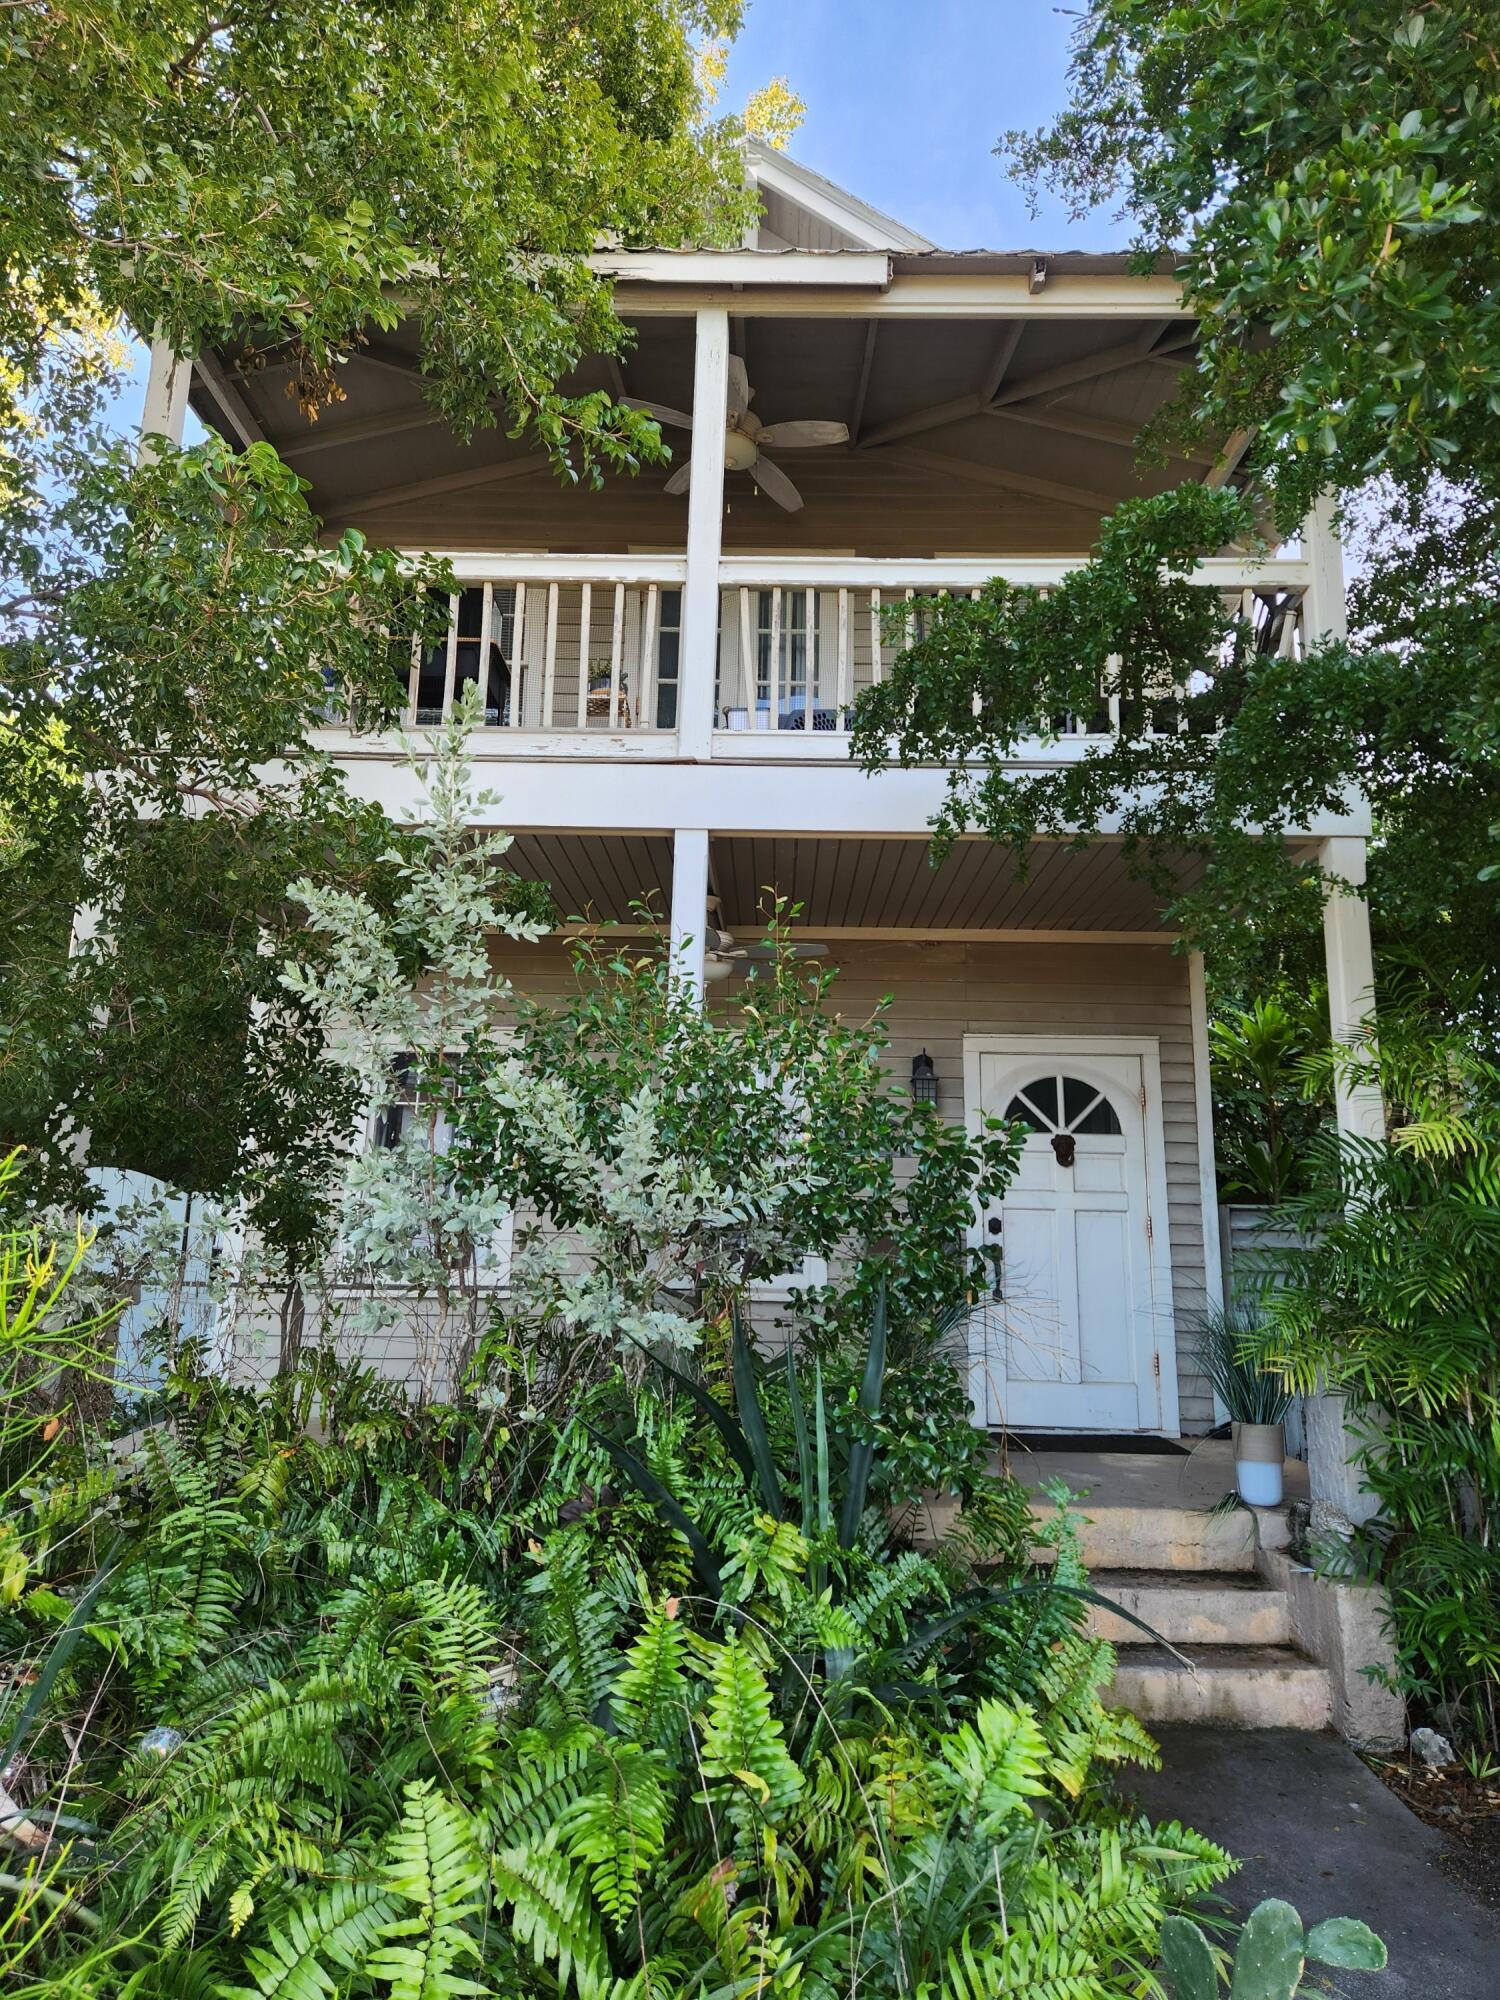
{"x": 1069, "y": 1343}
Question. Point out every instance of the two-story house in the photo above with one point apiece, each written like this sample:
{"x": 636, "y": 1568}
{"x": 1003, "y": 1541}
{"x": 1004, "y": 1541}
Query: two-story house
{"x": 859, "y": 420}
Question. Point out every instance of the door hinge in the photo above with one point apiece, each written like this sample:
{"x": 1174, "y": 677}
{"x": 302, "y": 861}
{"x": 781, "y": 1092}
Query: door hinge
{"x": 1141, "y": 1093}
{"x": 1150, "y": 1228}
{"x": 1156, "y": 1366}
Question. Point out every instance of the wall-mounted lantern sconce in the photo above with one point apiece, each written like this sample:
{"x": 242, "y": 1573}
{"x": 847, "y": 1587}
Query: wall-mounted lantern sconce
{"x": 924, "y": 1083}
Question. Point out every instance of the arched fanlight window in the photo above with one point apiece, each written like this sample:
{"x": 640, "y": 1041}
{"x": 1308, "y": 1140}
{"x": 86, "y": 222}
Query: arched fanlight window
{"x": 1051, "y": 1104}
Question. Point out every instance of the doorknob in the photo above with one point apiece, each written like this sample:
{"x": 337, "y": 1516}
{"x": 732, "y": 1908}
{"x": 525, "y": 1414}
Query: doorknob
{"x": 1065, "y": 1146}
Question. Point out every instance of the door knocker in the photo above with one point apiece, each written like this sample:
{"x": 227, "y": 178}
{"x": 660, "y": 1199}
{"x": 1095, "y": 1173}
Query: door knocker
{"x": 1064, "y": 1145}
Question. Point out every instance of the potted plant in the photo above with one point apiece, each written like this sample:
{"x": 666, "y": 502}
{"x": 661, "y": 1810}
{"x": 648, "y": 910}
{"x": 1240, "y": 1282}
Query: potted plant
{"x": 1256, "y": 1402}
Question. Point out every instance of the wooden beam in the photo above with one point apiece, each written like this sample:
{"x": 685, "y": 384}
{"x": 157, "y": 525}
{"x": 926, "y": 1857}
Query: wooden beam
{"x": 1088, "y": 368}
{"x": 326, "y": 436}
{"x": 236, "y": 410}
{"x": 933, "y": 417}
{"x": 1004, "y": 353}
{"x": 1228, "y": 462}
{"x": 1011, "y": 482}
{"x": 1075, "y": 424}
{"x": 857, "y": 408}
{"x": 428, "y": 489}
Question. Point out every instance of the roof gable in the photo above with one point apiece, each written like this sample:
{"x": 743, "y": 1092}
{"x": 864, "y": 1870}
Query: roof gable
{"x": 803, "y": 211}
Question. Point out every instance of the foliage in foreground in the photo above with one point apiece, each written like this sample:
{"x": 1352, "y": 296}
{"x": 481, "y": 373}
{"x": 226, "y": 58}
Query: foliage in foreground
{"x": 316, "y": 1700}
{"x": 1392, "y": 1300}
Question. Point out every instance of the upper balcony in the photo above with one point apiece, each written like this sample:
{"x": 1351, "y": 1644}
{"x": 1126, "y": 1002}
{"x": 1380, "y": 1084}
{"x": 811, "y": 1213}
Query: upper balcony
{"x": 856, "y": 433}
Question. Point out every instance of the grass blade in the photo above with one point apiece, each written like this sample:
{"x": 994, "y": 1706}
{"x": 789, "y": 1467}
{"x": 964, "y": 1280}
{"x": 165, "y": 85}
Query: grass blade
{"x": 799, "y": 1432}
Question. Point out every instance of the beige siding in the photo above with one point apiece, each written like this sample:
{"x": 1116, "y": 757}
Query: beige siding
{"x": 941, "y": 991}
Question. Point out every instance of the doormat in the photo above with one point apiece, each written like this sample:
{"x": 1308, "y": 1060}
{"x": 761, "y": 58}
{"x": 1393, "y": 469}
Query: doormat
{"x": 1134, "y": 1443}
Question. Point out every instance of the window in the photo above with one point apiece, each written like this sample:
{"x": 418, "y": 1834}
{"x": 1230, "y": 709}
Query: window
{"x": 432, "y": 668}
{"x": 787, "y": 688}
{"x": 668, "y": 657}
{"x": 1064, "y": 1104}
{"x": 405, "y": 1112}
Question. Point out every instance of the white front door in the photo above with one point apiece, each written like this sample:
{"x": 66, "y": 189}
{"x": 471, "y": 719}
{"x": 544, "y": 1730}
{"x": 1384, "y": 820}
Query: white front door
{"x": 1075, "y": 1331}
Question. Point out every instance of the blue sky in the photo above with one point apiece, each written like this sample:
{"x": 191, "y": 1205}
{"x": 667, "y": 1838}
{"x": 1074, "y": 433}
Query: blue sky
{"x": 905, "y": 100}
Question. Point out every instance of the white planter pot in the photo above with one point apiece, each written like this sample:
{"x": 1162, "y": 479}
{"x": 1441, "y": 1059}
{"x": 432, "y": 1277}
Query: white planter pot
{"x": 1259, "y": 1450}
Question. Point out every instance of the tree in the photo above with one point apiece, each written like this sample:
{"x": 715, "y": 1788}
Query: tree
{"x": 1330, "y": 179}
{"x": 283, "y": 184}
{"x": 673, "y": 1157}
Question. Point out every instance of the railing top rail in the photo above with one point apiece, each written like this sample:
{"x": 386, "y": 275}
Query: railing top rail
{"x": 487, "y": 566}
{"x": 969, "y": 572}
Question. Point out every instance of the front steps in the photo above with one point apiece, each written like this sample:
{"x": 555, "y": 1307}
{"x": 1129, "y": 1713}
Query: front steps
{"x": 1207, "y": 1578}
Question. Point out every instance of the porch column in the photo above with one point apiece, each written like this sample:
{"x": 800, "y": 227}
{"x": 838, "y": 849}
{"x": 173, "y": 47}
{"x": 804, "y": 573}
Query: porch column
{"x": 164, "y": 412}
{"x": 689, "y": 906}
{"x": 1339, "y": 1500}
{"x": 700, "y": 596}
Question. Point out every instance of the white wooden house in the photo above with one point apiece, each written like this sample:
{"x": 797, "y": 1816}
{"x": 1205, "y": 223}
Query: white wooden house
{"x": 669, "y": 668}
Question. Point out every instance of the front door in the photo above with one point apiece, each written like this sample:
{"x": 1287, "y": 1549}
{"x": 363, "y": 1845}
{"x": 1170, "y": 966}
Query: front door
{"x": 1075, "y": 1329}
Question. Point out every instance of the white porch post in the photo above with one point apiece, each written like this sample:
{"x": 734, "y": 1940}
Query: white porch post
{"x": 689, "y": 906}
{"x": 1339, "y": 1499}
{"x": 700, "y": 596}
{"x": 1326, "y": 614}
{"x": 165, "y": 410}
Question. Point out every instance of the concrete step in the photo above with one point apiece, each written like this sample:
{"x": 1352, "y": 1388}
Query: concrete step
{"x": 1130, "y": 1536}
{"x": 1163, "y": 1538}
{"x": 1191, "y": 1608}
{"x": 1241, "y": 1687}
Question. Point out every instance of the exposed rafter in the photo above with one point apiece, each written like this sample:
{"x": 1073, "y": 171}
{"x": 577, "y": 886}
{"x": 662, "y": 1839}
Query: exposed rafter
{"x": 447, "y": 482}
{"x": 237, "y": 412}
{"x": 1087, "y": 368}
{"x": 1010, "y": 482}
{"x": 326, "y": 436}
{"x": 1004, "y": 354}
{"x": 1227, "y": 463}
{"x": 1074, "y": 423}
{"x": 933, "y": 418}
{"x": 867, "y": 362}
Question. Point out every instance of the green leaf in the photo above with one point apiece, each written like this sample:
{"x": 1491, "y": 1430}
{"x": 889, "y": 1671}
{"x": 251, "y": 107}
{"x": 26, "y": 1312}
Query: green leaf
{"x": 1187, "y": 1964}
{"x": 1269, "y": 1958}
{"x": 862, "y": 1451}
{"x": 1345, "y": 1941}
{"x": 752, "y": 1416}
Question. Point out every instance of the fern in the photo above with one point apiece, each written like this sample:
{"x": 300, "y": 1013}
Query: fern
{"x": 743, "y": 1743}
{"x": 344, "y": 1924}
{"x": 551, "y": 1915}
{"x": 433, "y": 1860}
{"x": 650, "y": 1700}
{"x": 619, "y": 1829}
{"x": 994, "y": 1764}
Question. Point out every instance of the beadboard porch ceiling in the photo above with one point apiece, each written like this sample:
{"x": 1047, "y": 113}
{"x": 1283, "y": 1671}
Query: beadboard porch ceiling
{"x": 857, "y": 887}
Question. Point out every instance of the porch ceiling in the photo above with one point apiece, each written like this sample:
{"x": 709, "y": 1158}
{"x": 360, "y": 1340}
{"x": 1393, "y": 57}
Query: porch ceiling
{"x": 853, "y": 886}
{"x": 927, "y": 470}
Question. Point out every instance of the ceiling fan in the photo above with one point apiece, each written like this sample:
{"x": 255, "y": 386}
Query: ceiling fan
{"x": 746, "y": 438}
{"x": 723, "y": 951}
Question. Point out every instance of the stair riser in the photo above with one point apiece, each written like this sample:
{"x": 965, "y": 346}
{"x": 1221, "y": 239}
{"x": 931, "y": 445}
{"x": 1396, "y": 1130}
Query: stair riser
{"x": 1239, "y": 1698}
{"x": 1172, "y": 1538}
{"x": 1189, "y": 1617}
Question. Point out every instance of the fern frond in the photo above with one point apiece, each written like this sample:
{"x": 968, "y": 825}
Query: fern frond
{"x": 619, "y": 1829}
{"x": 552, "y": 1916}
{"x": 433, "y": 1861}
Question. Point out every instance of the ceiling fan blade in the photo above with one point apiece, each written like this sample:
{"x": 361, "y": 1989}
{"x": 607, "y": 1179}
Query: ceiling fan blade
{"x": 663, "y": 412}
{"x": 802, "y": 435}
{"x": 678, "y": 483}
{"x": 740, "y": 391}
{"x": 774, "y": 483}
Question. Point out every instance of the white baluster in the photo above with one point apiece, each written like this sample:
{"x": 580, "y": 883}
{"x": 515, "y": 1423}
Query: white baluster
{"x": 877, "y": 656}
{"x": 585, "y": 620}
{"x": 549, "y": 667}
{"x": 773, "y": 679}
{"x": 846, "y": 663}
{"x": 450, "y": 660}
{"x": 616, "y": 655}
{"x": 646, "y": 698}
{"x": 518, "y": 655}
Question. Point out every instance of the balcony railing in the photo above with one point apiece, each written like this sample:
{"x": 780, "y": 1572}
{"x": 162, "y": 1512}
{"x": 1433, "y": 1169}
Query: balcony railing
{"x": 800, "y": 638}
{"x": 569, "y": 645}
{"x": 558, "y": 643}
